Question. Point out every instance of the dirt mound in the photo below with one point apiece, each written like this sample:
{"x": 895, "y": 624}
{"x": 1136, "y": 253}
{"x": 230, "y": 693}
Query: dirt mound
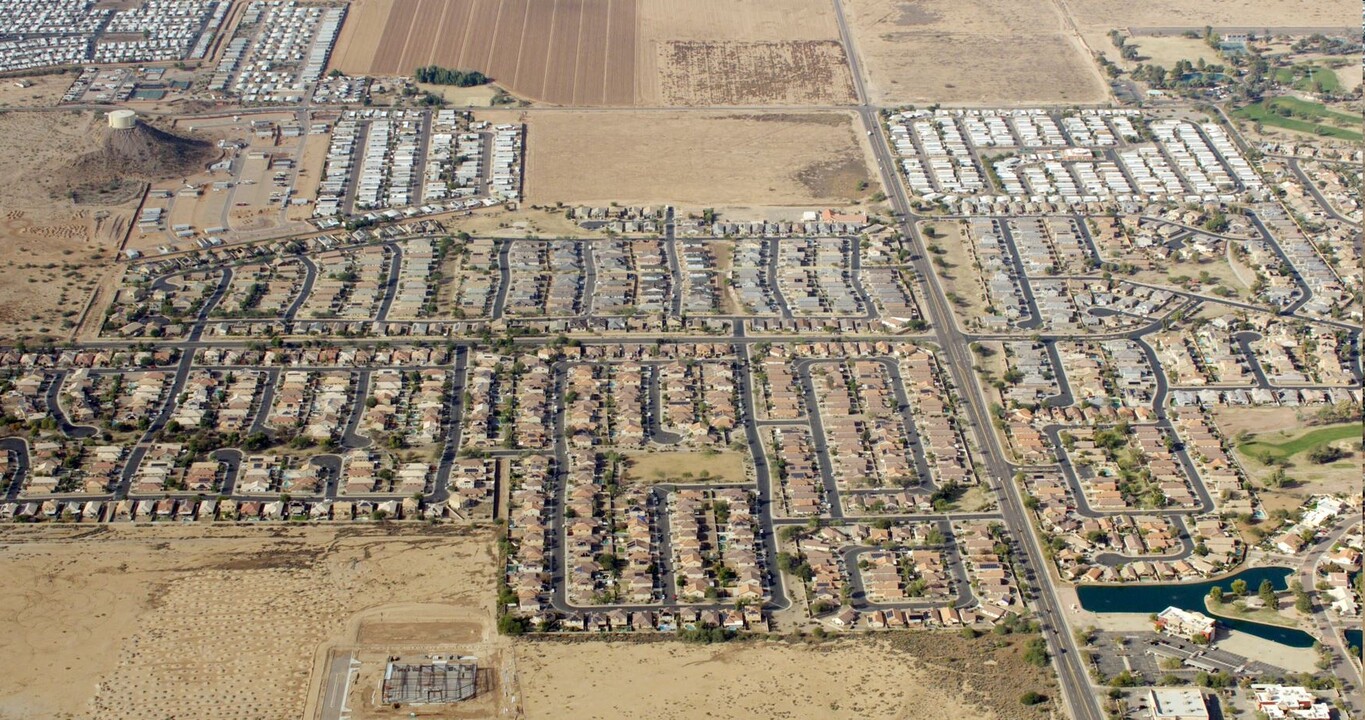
{"x": 144, "y": 152}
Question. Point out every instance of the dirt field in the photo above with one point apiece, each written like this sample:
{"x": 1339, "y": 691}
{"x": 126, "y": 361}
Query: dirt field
{"x": 556, "y": 51}
{"x": 1166, "y": 51}
{"x": 221, "y": 622}
{"x": 54, "y": 252}
{"x": 1257, "y": 14}
{"x": 915, "y": 677}
{"x": 1095, "y": 18}
{"x": 979, "y": 52}
{"x": 810, "y": 72}
{"x": 695, "y": 159}
{"x": 722, "y": 466}
{"x": 45, "y": 90}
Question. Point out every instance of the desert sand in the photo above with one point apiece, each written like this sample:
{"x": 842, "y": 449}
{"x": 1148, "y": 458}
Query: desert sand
{"x": 935, "y": 675}
{"x": 209, "y": 622}
{"x": 652, "y": 157}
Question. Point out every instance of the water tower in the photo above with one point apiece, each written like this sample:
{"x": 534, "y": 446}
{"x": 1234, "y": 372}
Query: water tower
{"x": 122, "y": 119}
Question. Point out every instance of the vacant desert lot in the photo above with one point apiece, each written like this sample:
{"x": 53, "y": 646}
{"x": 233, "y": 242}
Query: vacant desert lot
{"x": 53, "y": 252}
{"x": 914, "y": 678}
{"x": 976, "y": 52}
{"x": 1095, "y": 18}
{"x": 205, "y": 622}
{"x": 694, "y": 158}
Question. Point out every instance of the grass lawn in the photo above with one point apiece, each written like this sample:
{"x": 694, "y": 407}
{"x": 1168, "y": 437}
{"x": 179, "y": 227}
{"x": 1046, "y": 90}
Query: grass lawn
{"x": 1323, "y": 79}
{"x": 1303, "y": 443}
{"x": 1264, "y": 616}
{"x": 1317, "y": 110}
{"x": 1307, "y": 113}
{"x": 686, "y": 467}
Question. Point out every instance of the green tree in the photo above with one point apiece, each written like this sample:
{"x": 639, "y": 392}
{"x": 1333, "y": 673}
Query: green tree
{"x": 1239, "y": 587}
{"x": 1267, "y": 593}
{"x": 1036, "y": 652}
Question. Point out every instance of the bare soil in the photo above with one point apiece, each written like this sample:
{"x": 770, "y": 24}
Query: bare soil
{"x": 54, "y": 251}
{"x": 692, "y": 158}
{"x": 810, "y": 72}
{"x": 912, "y": 676}
{"x": 207, "y": 622}
{"x": 979, "y": 52}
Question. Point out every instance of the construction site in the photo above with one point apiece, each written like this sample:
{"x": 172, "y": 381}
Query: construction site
{"x": 430, "y": 680}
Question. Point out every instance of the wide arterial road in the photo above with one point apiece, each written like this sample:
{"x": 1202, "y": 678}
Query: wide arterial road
{"x": 1075, "y": 681}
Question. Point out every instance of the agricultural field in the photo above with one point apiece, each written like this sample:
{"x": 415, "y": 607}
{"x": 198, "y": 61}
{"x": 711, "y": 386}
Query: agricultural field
{"x": 696, "y": 158}
{"x": 569, "y": 52}
{"x": 1302, "y": 116}
{"x": 970, "y": 54}
{"x": 810, "y": 72}
{"x": 611, "y": 52}
{"x": 708, "y": 52}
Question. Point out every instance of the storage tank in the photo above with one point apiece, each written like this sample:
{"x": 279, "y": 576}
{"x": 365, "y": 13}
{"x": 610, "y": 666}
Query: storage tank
{"x": 122, "y": 119}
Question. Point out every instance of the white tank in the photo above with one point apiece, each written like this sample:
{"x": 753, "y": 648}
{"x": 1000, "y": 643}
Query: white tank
{"x": 122, "y": 119}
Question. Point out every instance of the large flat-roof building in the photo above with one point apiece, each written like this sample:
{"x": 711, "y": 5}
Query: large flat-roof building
{"x": 1173, "y": 704}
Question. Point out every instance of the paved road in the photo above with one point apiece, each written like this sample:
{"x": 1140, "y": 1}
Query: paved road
{"x": 1305, "y": 290}
{"x": 674, "y": 264}
{"x": 18, "y": 446}
{"x": 819, "y": 439}
{"x": 336, "y": 685}
{"x": 1021, "y": 279}
{"x": 310, "y": 274}
{"x": 1244, "y": 341}
{"x": 1312, "y": 189}
{"x": 1344, "y": 665}
{"x": 962, "y": 596}
{"x": 390, "y": 283}
{"x": 350, "y": 438}
{"x": 1075, "y": 681}
{"x": 54, "y": 406}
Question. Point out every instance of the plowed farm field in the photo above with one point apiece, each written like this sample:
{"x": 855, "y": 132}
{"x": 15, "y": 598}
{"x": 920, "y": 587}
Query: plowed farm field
{"x": 612, "y": 52}
{"x": 568, "y": 52}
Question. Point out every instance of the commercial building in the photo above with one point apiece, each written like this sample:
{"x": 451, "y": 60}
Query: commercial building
{"x": 1185, "y": 623}
{"x": 1171, "y": 704}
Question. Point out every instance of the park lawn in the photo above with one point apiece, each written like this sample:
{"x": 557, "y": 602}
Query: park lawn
{"x": 1262, "y": 113}
{"x": 1323, "y": 78}
{"x": 1302, "y": 443}
{"x": 1312, "y": 108}
{"x": 1264, "y": 616}
{"x": 686, "y": 467}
